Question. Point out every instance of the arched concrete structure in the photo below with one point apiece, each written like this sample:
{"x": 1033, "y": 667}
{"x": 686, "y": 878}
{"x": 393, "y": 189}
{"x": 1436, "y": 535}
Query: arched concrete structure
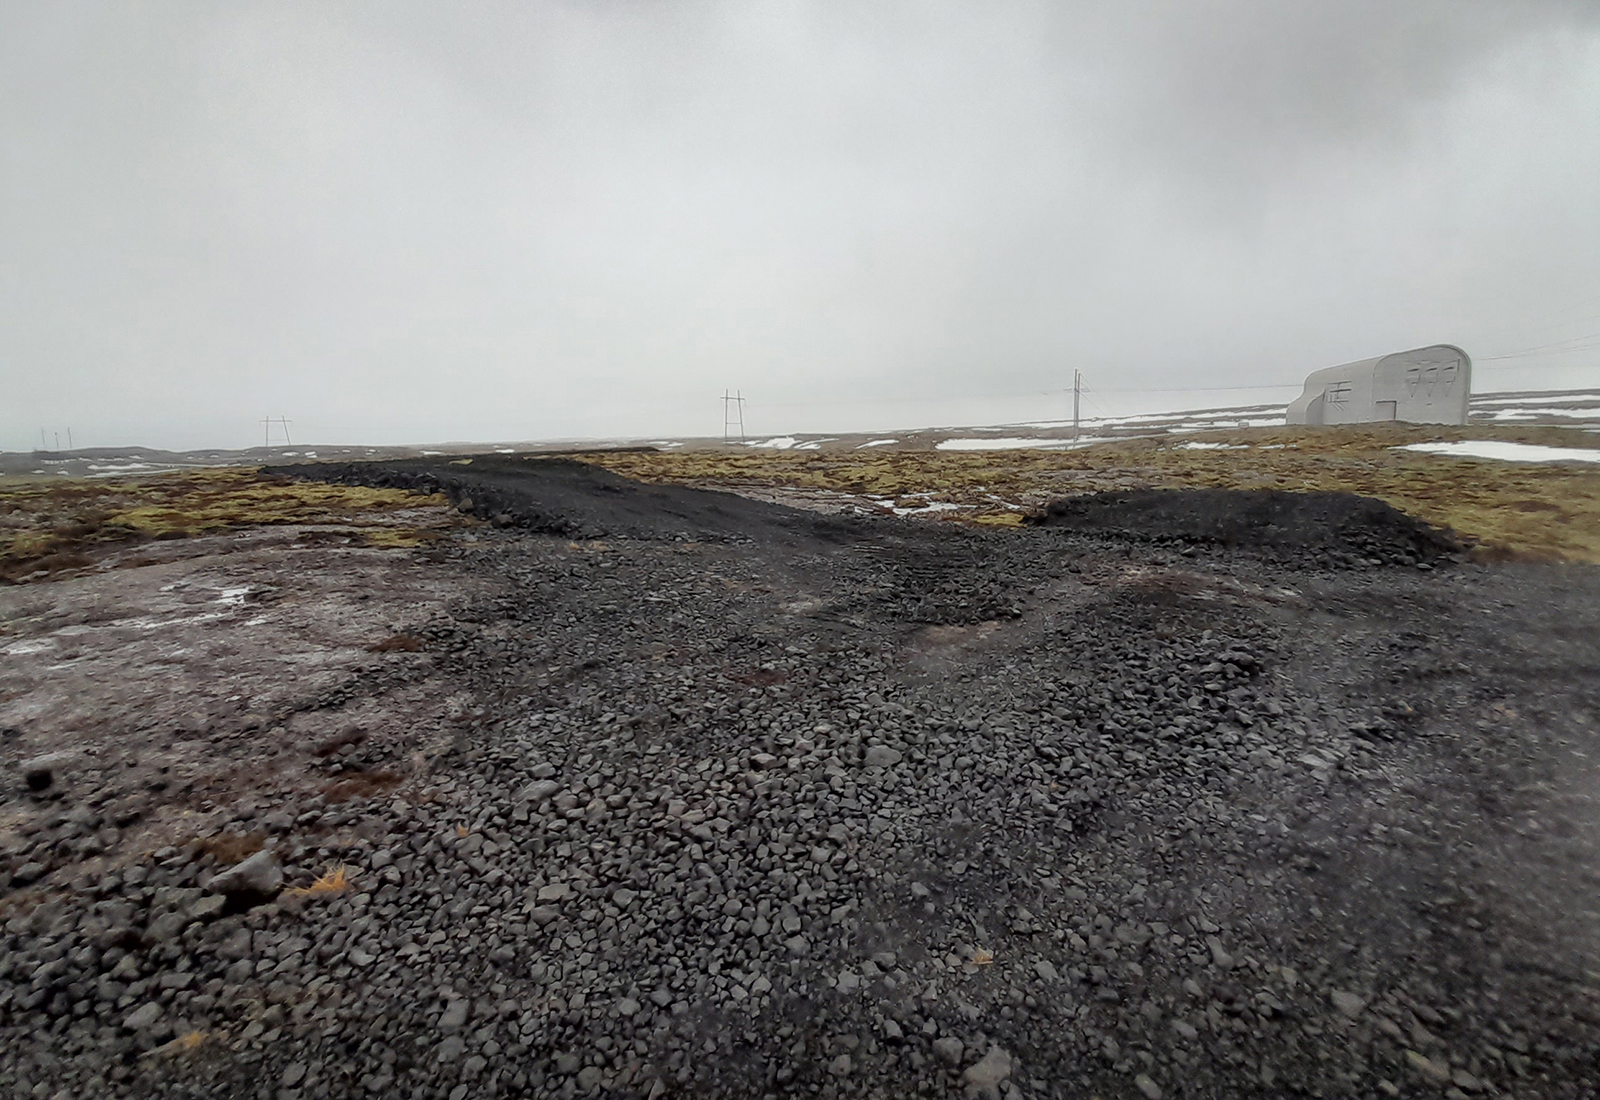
{"x": 1424, "y": 386}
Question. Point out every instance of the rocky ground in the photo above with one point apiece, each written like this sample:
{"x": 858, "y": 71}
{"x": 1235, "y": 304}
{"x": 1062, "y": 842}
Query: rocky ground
{"x": 810, "y": 807}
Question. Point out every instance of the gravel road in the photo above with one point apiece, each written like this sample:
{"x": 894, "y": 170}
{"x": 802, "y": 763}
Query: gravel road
{"x": 747, "y": 803}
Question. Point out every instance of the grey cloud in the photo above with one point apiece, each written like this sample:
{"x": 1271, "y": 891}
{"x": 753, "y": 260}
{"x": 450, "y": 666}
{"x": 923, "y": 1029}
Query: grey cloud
{"x": 400, "y": 221}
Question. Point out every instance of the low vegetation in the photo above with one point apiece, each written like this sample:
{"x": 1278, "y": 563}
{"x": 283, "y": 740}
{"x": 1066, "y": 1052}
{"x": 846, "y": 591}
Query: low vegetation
{"x": 1538, "y": 511}
{"x": 1518, "y": 510}
{"x": 48, "y": 526}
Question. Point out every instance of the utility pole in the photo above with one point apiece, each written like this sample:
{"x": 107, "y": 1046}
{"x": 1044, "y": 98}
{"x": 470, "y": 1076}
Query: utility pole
{"x": 732, "y": 413}
{"x": 43, "y": 445}
{"x": 266, "y": 430}
{"x": 1077, "y": 393}
{"x": 69, "y": 438}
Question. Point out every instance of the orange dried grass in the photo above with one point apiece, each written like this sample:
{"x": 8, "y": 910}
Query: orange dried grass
{"x": 333, "y": 881}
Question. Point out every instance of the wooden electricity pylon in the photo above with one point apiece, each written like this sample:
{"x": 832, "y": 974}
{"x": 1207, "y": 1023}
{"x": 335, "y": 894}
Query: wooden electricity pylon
{"x": 732, "y": 413}
{"x": 266, "y": 427}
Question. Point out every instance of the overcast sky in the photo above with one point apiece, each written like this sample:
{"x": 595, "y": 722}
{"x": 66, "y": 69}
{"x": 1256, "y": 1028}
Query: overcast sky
{"x": 410, "y": 222}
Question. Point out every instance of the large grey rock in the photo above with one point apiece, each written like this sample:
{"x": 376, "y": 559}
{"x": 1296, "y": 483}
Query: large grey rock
{"x": 168, "y": 926}
{"x": 1347, "y": 1003}
{"x": 256, "y": 879}
{"x": 985, "y": 1076}
{"x": 40, "y": 772}
{"x": 539, "y": 790}
{"x": 142, "y": 1017}
{"x": 882, "y": 756}
{"x": 29, "y": 873}
{"x": 455, "y": 1015}
{"x": 236, "y": 946}
{"x": 949, "y": 1049}
{"x": 207, "y": 907}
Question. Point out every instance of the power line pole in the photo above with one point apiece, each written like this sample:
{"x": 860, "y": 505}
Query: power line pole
{"x": 732, "y": 413}
{"x": 1077, "y": 393}
{"x": 69, "y": 438}
{"x": 283, "y": 422}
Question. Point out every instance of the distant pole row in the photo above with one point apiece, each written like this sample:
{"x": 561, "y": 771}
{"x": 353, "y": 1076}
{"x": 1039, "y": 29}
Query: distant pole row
{"x": 44, "y": 443}
{"x": 733, "y": 411}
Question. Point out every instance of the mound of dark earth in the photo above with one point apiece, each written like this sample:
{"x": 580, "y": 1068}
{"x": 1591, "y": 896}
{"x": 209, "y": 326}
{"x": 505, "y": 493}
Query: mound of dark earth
{"x": 1336, "y": 526}
{"x": 560, "y": 496}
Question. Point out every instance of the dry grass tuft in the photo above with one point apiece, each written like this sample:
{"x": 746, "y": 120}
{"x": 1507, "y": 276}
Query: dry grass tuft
{"x": 398, "y": 538}
{"x": 332, "y": 881}
{"x": 360, "y": 785}
{"x": 186, "y": 1043}
{"x": 230, "y": 848}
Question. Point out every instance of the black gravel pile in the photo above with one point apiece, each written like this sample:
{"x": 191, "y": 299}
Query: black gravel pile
{"x": 1003, "y": 814}
{"x": 561, "y": 496}
{"x": 1330, "y": 528}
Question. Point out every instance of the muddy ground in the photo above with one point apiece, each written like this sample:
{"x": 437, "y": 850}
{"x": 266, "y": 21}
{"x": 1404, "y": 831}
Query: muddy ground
{"x": 717, "y": 799}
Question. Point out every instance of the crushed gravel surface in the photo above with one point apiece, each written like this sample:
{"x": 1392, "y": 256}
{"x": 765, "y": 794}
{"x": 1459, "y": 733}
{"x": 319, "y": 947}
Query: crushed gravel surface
{"x": 885, "y": 809}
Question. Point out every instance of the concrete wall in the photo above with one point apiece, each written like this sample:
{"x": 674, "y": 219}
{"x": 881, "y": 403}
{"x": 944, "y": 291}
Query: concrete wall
{"x": 1423, "y": 386}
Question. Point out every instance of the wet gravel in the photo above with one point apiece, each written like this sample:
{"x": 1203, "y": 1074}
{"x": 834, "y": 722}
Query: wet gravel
{"x": 884, "y": 810}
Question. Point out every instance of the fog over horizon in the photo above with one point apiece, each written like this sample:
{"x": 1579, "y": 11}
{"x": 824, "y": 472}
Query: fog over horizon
{"x": 401, "y": 223}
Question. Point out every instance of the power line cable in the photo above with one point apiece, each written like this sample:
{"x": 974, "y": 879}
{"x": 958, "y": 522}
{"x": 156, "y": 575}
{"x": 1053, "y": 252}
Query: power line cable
{"x": 1560, "y": 348}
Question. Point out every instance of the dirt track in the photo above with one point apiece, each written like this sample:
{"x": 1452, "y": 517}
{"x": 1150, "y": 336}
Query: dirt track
{"x": 825, "y": 807}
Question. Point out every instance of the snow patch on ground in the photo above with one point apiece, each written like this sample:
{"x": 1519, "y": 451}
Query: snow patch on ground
{"x": 1001, "y": 443}
{"x": 1196, "y": 445}
{"x": 915, "y": 509}
{"x": 776, "y": 443}
{"x": 876, "y": 443}
{"x": 1229, "y": 422}
{"x": 1553, "y": 399}
{"x": 1505, "y": 452}
{"x": 1515, "y": 413}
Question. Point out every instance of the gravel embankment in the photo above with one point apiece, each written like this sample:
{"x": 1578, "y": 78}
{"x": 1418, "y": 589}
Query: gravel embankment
{"x": 887, "y": 810}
